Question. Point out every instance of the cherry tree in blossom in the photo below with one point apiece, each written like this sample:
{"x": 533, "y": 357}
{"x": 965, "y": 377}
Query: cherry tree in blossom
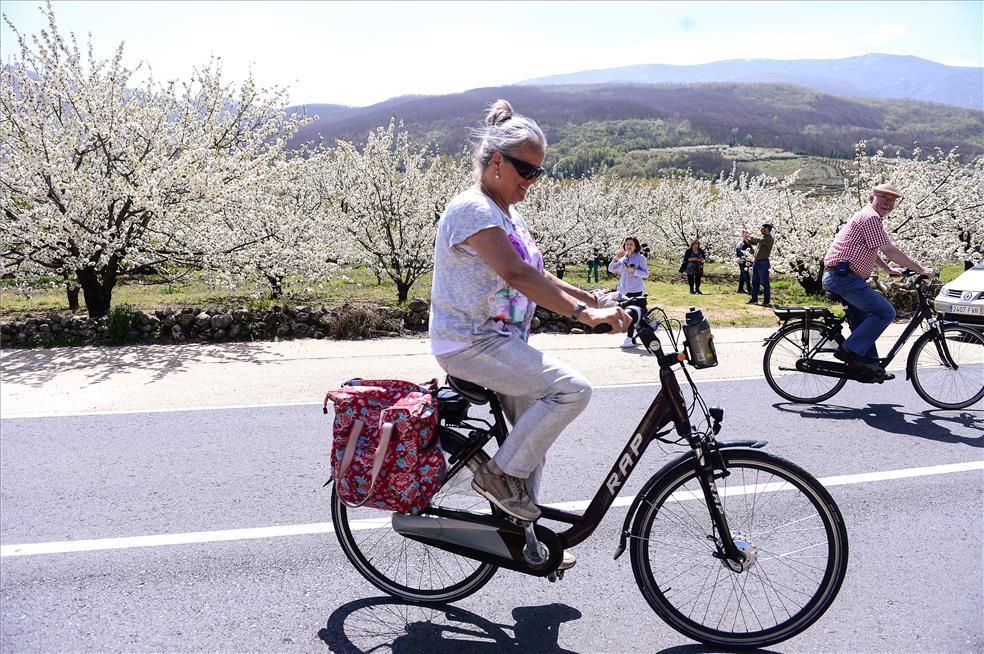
{"x": 102, "y": 175}
{"x": 569, "y": 218}
{"x": 678, "y": 210}
{"x": 289, "y": 232}
{"x": 387, "y": 199}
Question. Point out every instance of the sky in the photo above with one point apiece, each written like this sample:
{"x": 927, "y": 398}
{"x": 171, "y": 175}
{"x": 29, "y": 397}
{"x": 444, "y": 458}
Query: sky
{"x": 360, "y": 53}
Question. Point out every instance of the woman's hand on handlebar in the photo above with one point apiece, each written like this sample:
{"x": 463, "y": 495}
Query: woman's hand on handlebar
{"x": 617, "y": 319}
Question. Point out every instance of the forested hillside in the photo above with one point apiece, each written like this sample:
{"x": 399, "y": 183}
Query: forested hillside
{"x": 631, "y": 128}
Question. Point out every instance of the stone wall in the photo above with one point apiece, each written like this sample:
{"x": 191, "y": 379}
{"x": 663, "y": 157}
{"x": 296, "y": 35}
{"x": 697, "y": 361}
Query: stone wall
{"x": 216, "y": 324}
{"x": 220, "y": 324}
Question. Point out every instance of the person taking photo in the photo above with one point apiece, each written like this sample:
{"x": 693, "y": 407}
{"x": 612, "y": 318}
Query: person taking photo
{"x": 631, "y": 267}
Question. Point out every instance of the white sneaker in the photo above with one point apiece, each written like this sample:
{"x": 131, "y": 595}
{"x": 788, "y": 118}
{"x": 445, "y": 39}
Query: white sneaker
{"x": 628, "y": 343}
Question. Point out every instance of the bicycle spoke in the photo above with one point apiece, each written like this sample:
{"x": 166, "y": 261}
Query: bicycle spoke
{"x": 953, "y": 382}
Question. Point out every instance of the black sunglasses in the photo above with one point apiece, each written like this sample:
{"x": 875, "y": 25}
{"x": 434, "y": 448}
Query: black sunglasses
{"x": 525, "y": 170}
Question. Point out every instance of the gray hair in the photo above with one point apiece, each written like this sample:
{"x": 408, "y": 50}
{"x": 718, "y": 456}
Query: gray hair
{"x": 504, "y": 132}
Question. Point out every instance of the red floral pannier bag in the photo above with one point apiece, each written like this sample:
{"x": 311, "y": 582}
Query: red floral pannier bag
{"x": 385, "y": 451}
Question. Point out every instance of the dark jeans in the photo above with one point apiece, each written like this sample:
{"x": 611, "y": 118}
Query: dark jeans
{"x": 744, "y": 279}
{"x": 868, "y": 312}
{"x": 694, "y": 280}
{"x": 760, "y": 276}
{"x": 640, "y": 302}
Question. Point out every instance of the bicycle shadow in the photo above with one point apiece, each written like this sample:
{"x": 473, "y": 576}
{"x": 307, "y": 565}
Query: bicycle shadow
{"x": 386, "y": 624}
{"x": 930, "y": 424}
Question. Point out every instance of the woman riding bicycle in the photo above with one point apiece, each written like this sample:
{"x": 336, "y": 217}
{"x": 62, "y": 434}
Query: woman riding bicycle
{"x": 488, "y": 279}
{"x": 847, "y": 265}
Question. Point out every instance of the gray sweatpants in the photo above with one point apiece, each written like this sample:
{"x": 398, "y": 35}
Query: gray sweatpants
{"x": 539, "y": 396}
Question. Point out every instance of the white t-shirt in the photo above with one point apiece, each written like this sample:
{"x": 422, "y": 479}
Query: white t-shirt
{"x": 468, "y": 299}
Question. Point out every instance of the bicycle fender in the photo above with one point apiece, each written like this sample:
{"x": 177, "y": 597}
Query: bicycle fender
{"x": 670, "y": 465}
{"x": 771, "y": 337}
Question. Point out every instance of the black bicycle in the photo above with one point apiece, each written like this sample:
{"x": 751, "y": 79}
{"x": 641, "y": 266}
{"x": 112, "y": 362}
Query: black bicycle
{"x": 945, "y": 364}
{"x": 729, "y": 545}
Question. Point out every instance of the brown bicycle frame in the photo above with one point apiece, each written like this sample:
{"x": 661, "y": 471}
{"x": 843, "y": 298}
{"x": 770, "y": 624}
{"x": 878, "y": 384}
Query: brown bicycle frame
{"x": 667, "y": 407}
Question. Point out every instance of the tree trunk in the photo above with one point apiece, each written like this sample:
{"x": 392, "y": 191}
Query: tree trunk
{"x": 402, "y": 290}
{"x": 73, "y": 297}
{"x": 98, "y": 294}
{"x": 276, "y": 285}
{"x": 812, "y": 282}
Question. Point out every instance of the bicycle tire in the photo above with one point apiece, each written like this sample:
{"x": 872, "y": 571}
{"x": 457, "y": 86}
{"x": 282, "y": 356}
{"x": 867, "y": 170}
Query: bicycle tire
{"x": 779, "y": 364}
{"x": 789, "y": 523}
{"x": 405, "y": 568}
{"x": 934, "y": 380}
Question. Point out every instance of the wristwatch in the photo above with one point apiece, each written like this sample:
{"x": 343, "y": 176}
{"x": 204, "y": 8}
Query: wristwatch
{"x": 578, "y": 308}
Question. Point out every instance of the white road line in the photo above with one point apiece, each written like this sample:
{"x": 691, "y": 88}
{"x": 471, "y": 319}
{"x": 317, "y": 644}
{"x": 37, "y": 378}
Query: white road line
{"x": 63, "y": 547}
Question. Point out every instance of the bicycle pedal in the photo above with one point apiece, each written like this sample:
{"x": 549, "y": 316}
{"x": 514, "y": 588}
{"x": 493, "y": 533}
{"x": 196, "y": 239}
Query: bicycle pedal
{"x": 555, "y": 576}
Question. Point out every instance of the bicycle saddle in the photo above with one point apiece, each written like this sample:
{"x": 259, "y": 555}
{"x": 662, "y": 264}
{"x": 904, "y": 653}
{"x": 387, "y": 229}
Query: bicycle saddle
{"x": 472, "y": 392}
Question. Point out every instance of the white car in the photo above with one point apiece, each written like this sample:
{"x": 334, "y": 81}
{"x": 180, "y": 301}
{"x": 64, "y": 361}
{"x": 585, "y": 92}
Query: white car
{"x": 962, "y": 300}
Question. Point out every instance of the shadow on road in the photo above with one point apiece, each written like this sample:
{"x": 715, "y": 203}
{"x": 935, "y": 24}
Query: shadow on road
{"x": 391, "y": 625}
{"x": 386, "y": 624}
{"x": 37, "y": 367}
{"x": 935, "y": 425}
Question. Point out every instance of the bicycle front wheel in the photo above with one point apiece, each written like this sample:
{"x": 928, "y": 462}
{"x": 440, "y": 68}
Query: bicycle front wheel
{"x": 784, "y": 521}
{"x": 791, "y": 343}
{"x": 953, "y": 382}
{"x": 406, "y": 568}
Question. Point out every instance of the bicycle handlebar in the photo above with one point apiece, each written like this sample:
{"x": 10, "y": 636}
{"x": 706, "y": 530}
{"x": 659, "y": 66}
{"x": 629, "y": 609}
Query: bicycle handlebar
{"x": 634, "y": 310}
{"x": 914, "y": 279}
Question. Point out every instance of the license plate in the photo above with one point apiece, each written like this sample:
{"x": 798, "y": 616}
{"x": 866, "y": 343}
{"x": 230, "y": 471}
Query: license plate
{"x": 958, "y": 308}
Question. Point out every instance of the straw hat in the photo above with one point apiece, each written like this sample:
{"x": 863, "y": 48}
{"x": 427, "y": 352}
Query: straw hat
{"x": 887, "y": 189}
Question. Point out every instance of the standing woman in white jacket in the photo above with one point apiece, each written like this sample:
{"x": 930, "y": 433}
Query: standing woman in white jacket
{"x": 632, "y": 268}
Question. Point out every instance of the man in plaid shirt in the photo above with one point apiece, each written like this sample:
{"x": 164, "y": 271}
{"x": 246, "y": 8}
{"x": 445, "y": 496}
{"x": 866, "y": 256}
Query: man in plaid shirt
{"x": 849, "y": 262}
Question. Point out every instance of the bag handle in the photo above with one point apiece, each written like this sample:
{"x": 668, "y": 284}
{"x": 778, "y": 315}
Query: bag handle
{"x": 385, "y": 433}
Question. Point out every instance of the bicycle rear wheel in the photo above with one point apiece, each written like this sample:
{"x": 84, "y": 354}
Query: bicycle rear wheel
{"x": 782, "y": 519}
{"x": 940, "y": 383}
{"x": 407, "y": 568}
{"x": 793, "y": 342}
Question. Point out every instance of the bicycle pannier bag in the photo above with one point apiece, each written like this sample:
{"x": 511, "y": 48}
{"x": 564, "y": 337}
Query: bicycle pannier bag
{"x": 385, "y": 451}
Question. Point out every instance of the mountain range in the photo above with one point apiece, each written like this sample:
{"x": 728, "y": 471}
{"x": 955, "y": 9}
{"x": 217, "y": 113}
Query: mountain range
{"x": 871, "y": 75}
{"x": 592, "y": 121}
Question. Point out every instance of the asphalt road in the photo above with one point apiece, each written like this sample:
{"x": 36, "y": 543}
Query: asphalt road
{"x": 914, "y": 583}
